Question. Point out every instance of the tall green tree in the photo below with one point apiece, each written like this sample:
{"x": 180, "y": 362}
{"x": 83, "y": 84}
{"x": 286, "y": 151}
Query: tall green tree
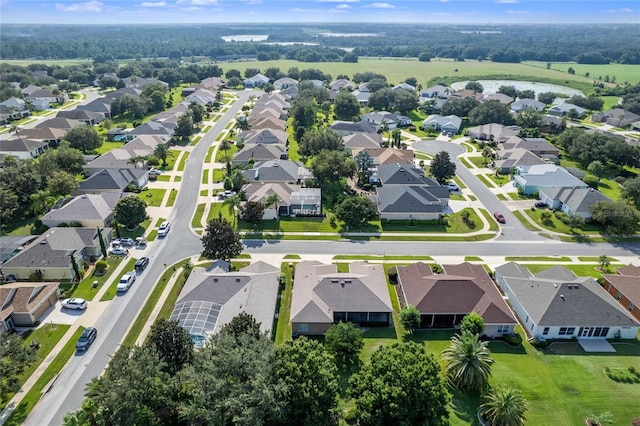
{"x": 442, "y": 168}
{"x": 346, "y": 106}
{"x": 130, "y": 211}
{"x": 616, "y": 217}
{"x": 410, "y": 318}
{"x": 61, "y": 183}
{"x": 185, "y": 127}
{"x": 232, "y": 203}
{"x": 41, "y": 202}
{"x": 220, "y": 241}
{"x": 504, "y": 406}
{"x": 311, "y": 384}
{"x": 162, "y": 152}
{"x": 85, "y": 138}
{"x": 467, "y": 362}
{"x": 356, "y": 211}
{"x": 331, "y": 166}
{"x": 631, "y": 191}
{"x": 400, "y": 386}
{"x": 473, "y": 323}
{"x": 344, "y": 341}
{"x": 172, "y": 343}
{"x": 491, "y": 111}
{"x": 252, "y": 212}
{"x": 15, "y": 357}
{"x": 316, "y": 140}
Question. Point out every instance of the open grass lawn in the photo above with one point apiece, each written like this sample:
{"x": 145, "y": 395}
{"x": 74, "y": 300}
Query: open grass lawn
{"x": 556, "y": 225}
{"x": 85, "y": 289}
{"x": 138, "y": 232}
{"x": 520, "y": 197}
{"x": 537, "y": 259}
{"x": 112, "y": 290}
{"x": 385, "y": 257}
{"x": 499, "y": 179}
{"x": 283, "y": 327}
{"x": 196, "y": 221}
{"x": 172, "y": 198}
{"x": 183, "y": 161}
{"x": 622, "y": 72}
{"x": 580, "y": 270}
{"x": 48, "y": 336}
{"x": 609, "y": 188}
{"x": 222, "y": 156}
{"x": 288, "y": 224}
{"x": 205, "y": 177}
{"x": 478, "y": 161}
{"x": 23, "y": 226}
{"x": 486, "y": 181}
{"x": 171, "y": 160}
{"x": 153, "y": 197}
{"x": 455, "y": 225}
{"x": 23, "y": 409}
{"x": 108, "y": 146}
{"x": 207, "y": 158}
{"x": 217, "y": 209}
{"x": 164, "y": 178}
{"x": 219, "y": 175}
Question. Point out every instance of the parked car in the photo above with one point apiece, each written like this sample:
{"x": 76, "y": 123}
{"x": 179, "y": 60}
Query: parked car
{"x": 155, "y": 172}
{"x": 75, "y": 303}
{"x": 118, "y": 251}
{"x": 86, "y": 339}
{"x": 116, "y": 243}
{"x": 141, "y": 263}
{"x": 127, "y": 242}
{"x": 499, "y": 217}
{"x": 126, "y": 281}
{"x": 164, "y": 229}
{"x": 541, "y": 205}
{"x": 451, "y": 186}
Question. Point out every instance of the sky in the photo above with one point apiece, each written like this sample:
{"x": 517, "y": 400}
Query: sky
{"x": 306, "y": 11}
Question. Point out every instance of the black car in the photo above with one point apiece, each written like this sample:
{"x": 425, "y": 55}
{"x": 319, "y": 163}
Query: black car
{"x": 541, "y": 205}
{"x": 87, "y": 338}
{"x": 141, "y": 263}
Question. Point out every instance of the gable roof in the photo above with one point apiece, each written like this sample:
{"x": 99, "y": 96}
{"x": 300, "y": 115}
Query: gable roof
{"x": 319, "y": 291}
{"x": 546, "y": 175}
{"x": 495, "y": 131}
{"x": 500, "y": 97}
{"x": 43, "y": 134}
{"x": 410, "y": 199}
{"x": 151, "y": 128}
{"x": 78, "y": 114}
{"x": 276, "y": 171}
{"x": 264, "y": 136}
{"x": 21, "y": 145}
{"x": 261, "y": 191}
{"x": 628, "y": 285}
{"x": 111, "y": 179}
{"x": 531, "y": 144}
{"x": 258, "y": 122}
{"x": 59, "y": 123}
{"x": 22, "y": 298}
{"x": 403, "y": 174}
{"x": 559, "y": 298}
{"x": 259, "y": 152}
{"x": 388, "y": 155}
{"x": 527, "y": 103}
{"x": 86, "y": 206}
{"x": 577, "y": 199}
{"x": 363, "y": 140}
{"x": 352, "y": 127}
{"x": 509, "y": 158}
{"x": 460, "y": 289}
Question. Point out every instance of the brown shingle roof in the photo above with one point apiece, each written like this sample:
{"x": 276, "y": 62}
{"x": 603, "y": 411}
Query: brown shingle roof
{"x": 23, "y": 297}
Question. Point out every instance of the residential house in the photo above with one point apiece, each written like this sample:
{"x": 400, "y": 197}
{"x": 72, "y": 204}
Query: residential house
{"x": 59, "y": 123}
{"x": 493, "y": 132}
{"x": 22, "y": 148}
{"x": 322, "y": 296}
{"x": 23, "y": 304}
{"x": 212, "y": 83}
{"x": 202, "y": 97}
{"x": 508, "y": 159}
{"x": 532, "y": 179}
{"x": 150, "y": 128}
{"x": 87, "y": 117}
{"x": 121, "y": 158}
{"x": 137, "y": 82}
{"x": 257, "y": 80}
{"x": 467, "y": 93}
{"x": 363, "y": 140}
{"x": 563, "y": 110}
{"x": 362, "y": 97}
{"x": 90, "y": 210}
{"x": 284, "y": 83}
{"x": 13, "y": 109}
{"x": 538, "y": 146}
{"x": 557, "y": 304}
{"x": 404, "y": 86}
{"x": 210, "y": 299}
{"x": 345, "y": 128}
{"x": 449, "y": 123}
{"x": 259, "y": 152}
{"x": 12, "y": 245}
{"x": 113, "y": 180}
{"x": 341, "y": 84}
{"x": 283, "y": 171}
{"x": 571, "y": 200}
{"x": 293, "y": 200}
{"x": 500, "y": 97}
{"x": 29, "y": 89}
{"x": 263, "y": 136}
{"x": 614, "y": 117}
{"x": 290, "y": 92}
{"x": 260, "y": 123}
{"x": 387, "y": 155}
{"x": 100, "y": 106}
{"x": 44, "y": 95}
{"x": 625, "y": 287}
{"x": 50, "y": 135}
{"x": 437, "y": 91}
{"x": 384, "y": 119}
{"x": 527, "y": 104}
{"x": 50, "y": 254}
{"x": 444, "y": 299}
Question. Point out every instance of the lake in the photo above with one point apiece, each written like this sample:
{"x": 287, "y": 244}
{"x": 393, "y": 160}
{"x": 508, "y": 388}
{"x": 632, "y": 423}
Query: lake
{"x": 492, "y": 86}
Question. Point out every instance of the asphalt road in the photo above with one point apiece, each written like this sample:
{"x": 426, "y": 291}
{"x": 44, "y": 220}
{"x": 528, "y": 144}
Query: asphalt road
{"x": 67, "y": 391}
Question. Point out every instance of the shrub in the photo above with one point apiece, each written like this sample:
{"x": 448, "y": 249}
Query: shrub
{"x": 513, "y": 339}
{"x": 101, "y": 266}
{"x": 437, "y": 269}
{"x": 536, "y": 343}
{"x": 393, "y": 275}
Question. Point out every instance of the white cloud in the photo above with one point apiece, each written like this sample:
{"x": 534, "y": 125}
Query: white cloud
{"x": 343, "y": 7}
{"x": 198, "y": 2}
{"x": 89, "y": 6}
{"x": 507, "y": 1}
{"x": 518, "y": 12}
{"x": 153, "y": 4}
{"x": 381, "y": 5}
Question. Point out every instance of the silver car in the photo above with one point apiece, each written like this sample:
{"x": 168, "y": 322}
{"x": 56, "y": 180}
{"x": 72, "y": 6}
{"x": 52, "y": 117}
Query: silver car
{"x": 75, "y": 303}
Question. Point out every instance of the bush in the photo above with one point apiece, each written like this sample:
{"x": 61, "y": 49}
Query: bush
{"x": 101, "y": 266}
{"x": 513, "y": 339}
{"x": 536, "y": 343}
{"x": 393, "y": 275}
{"x": 623, "y": 375}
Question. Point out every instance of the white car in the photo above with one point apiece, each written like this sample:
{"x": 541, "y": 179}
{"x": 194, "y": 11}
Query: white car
{"x": 452, "y": 187}
{"x": 127, "y": 242}
{"x": 75, "y": 303}
{"x": 126, "y": 281}
{"x": 118, "y": 251}
{"x": 163, "y": 230}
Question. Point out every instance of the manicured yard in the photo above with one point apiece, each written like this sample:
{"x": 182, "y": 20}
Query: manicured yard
{"x": 222, "y": 156}
{"x": 138, "y": 232}
{"x": 580, "y": 270}
{"x": 23, "y": 409}
{"x": 196, "y": 222}
{"x": 183, "y": 161}
{"x": 499, "y": 180}
{"x": 48, "y": 336}
{"x": 207, "y": 159}
{"x": 455, "y": 224}
{"x": 85, "y": 289}
{"x": 171, "y": 159}
{"x": 153, "y": 197}
{"x": 283, "y": 327}
{"x": 287, "y": 224}
{"x": 205, "y": 177}
{"x": 554, "y": 224}
{"x": 485, "y": 180}
{"x": 204, "y": 192}
{"x": 112, "y": 290}
{"x": 218, "y": 175}
{"x": 537, "y": 259}
{"x": 383, "y": 257}
{"x": 172, "y": 198}
{"x": 217, "y": 209}
{"x": 478, "y": 161}
{"x": 108, "y": 146}
{"x": 164, "y": 178}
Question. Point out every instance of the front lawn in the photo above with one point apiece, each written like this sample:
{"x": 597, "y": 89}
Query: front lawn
{"x": 478, "y": 161}
{"x": 554, "y": 224}
{"x": 455, "y": 224}
{"x": 223, "y": 156}
{"x": 112, "y": 290}
{"x": 138, "y": 232}
{"x": 183, "y": 161}
{"x": 85, "y": 289}
{"x": 282, "y": 331}
{"x": 153, "y": 197}
{"x": 592, "y": 271}
{"x": 108, "y": 146}
{"x": 289, "y": 224}
{"x": 196, "y": 221}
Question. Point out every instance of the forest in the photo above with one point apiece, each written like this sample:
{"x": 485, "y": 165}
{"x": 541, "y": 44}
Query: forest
{"x": 591, "y": 44}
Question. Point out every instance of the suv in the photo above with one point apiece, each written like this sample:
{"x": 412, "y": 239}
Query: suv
{"x": 75, "y": 303}
{"x": 126, "y": 281}
{"x": 86, "y": 339}
{"x": 451, "y": 186}
{"x": 163, "y": 230}
{"x": 141, "y": 263}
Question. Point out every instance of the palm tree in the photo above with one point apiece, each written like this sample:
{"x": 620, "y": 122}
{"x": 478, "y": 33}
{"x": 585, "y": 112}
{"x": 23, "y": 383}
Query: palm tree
{"x": 232, "y": 203}
{"x": 504, "y": 406}
{"x": 137, "y": 160}
{"x": 604, "y": 262}
{"x": 162, "y": 152}
{"x": 272, "y": 200}
{"x": 42, "y": 201}
{"x": 467, "y": 362}
{"x": 364, "y": 161}
{"x": 224, "y": 146}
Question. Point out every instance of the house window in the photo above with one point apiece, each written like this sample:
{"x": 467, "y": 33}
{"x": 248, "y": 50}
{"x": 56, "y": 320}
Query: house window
{"x": 618, "y": 296}
{"x": 567, "y": 331}
{"x": 631, "y": 306}
{"x": 545, "y": 331}
{"x": 303, "y": 328}
{"x": 503, "y": 329}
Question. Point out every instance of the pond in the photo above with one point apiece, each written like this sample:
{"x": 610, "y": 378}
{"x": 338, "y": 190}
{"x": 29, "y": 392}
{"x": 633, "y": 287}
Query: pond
{"x": 245, "y": 37}
{"x": 492, "y": 86}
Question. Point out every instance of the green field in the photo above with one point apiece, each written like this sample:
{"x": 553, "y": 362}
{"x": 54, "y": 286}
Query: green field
{"x": 622, "y": 72}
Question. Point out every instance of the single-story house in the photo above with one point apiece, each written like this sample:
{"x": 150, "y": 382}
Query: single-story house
{"x": 113, "y": 180}
{"x": 12, "y": 245}
{"x": 22, "y": 304}
{"x": 500, "y": 97}
{"x": 50, "y": 253}
{"x": 387, "y": 155}
{"x": 265, "y": 111}
{"x": 468, "y": 93}
{"x": 402, "y": 174}
{"x": 257, "y": 80}
{"x": 284, "y": 171}
{"x": 285, "y": 82}
{"x": 150, "y": 128}
{"x": 362, "y": 97}
{"x": 362, "y": 140}
{"x": 444, "y": 299}
{"x": 263, "y": 136}
{"x": 572, "y": 200}
{"x": 615, "y": 117}
{"x": 532, "y": 179}
{"x": 404, "y": 86}
{"x": 50, "y": 135}
{"x": 341, "y": 84}
{"x": 411, "y": 202}
{"x": 449, "y": 123}
{"x": 392, "y": 120}
{"x": 59, "y": 123}
{"x": 557, "y": 304}
{"x": 437, "y": 91}
{"x": 259, "y": 152}
{"x": 290, "y": 92}
{"x": 13, "y": 109}
{"x": 293, "y": 200}
{"x": 23, "y": 148}
{"x": 510, "y": 158}
{"x": 45, "y": 95}
{"x": 563, "y": 110}
{"x": 100, "y": 105}
{"x": 527, "y": 104}
{"x": 493, "y": 132}
{"x": 212, "y": 298}
{"x": 538, "y": 146}
{"x": 259, "y": 123}
{"x": 322, "y": 296}
{"x": 625, "y": 287}
{"x": 345, "y": 128}
{"x": 87, "y": 117}
{"x": 135, "y": 81}
{"x": 90, "y": 210}
{"x": 214, "y": 83}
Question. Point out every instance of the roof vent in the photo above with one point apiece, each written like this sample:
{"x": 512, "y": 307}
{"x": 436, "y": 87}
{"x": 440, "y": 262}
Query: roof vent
{"x": 44, "y": 241}
{"x": 215, "y": 280}
{"x": 237, "y": 280}
{"x": 562, "y": 296}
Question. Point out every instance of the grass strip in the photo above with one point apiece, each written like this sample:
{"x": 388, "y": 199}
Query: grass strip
{"x": 595, "y": 259}
{"x": 32, "y": 397}
{"x": 205, "y": 177}
{"x": 207, "y": 159}
{"x": 383, "y": 257}
{"x": 196, "y": 222}
{"x": 537, "y": 259}
{"x": 292, "y": 256}
{"x": 485, "y": 181}
{"x": 196, "y": 140}
{"x": 172, "y": 197}
{"x": 493, "y": 226}
{"x": 472, "y": 259}
{"x": 530, "y": 226}
{"x": 183, "y": 161}
{"x": 282, "y": 330}
{"x": 113, "y": 289}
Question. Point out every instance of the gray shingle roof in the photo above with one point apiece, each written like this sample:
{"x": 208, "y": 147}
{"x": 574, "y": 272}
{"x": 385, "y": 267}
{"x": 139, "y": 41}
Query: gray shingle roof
{"x": 111, "y": 179}
{"x": 409, "y": 199}
{"x": 403, "y": 174}
{"x": 274, "y": 171}
{"x": 21, "y": 145}
{"x": 259, "y": 152}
